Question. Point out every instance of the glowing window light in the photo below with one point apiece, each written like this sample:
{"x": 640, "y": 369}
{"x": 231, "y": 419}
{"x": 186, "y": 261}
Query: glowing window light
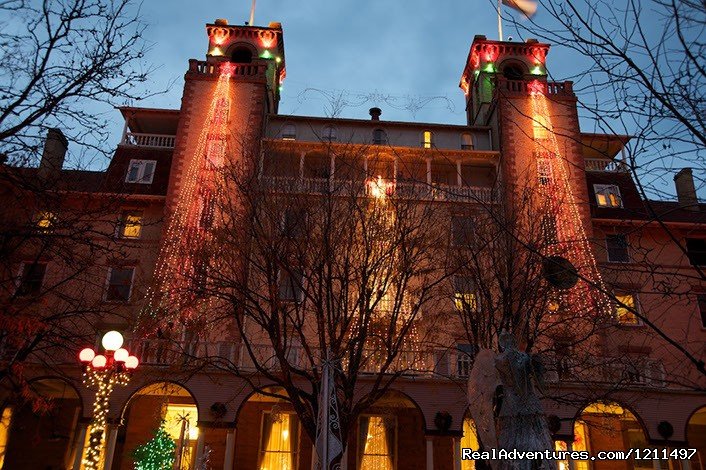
{"x": 45, "y": 221}
{"x": 427, "y": 139}
{"x": 377, "y": 453}
{"x": 469, "y": 441}
{"x": 623, "y": 314}
{"x": 5, "y": 421}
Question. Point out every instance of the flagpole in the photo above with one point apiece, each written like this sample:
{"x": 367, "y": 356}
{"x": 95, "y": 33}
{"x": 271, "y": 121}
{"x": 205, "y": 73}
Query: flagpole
{"x": 500, "y": 20}
{"x": 252, "y": 13}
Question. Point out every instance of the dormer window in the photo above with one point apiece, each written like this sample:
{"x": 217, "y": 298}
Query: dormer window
{"x": 379, "y": 137}
{"x": 608, "y": 195}
{"x": 329, "y": 134}
{"x": 466, "y": 141}
{"x": 141, "y": 171}
{"x": 427, "y": 139}
{"x": 289, "y": 132}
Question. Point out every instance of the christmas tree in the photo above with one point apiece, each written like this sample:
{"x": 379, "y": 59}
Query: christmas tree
{"x": 157, "y": 453}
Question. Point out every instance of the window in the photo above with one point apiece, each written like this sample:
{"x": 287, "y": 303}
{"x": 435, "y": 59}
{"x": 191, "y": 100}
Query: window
{"x": 119, "y": 284}
{"x": 329, "y": 134}
{"x": 469, "y": 441}
{"x": 289, "y": 132}
{"x": 45, "y": 221}
{"x": 617, "y": 248}
{"x": 31, "y": 279}
{"x": 427, "y": 139}
{"x": 464, "y": 359}
{"x": 701, "y": 299}
{"x": 608, "y": 195}
{"x": 377, "y": 442}
{"x": 540, "y": 126}
{"x": 279, "y": 441}
{"x": 466, "y": 141}
{"x": 141, "y": 171}
{"x": 130, "y": 225}
{"x": 379, "y": 137}
{"x": 183, "y": 418}
{"x": 561, "y": 446}
{"x": 293, "y": 223}
{"x": 461, "y": 230}
{"x": 580, "y": 443}
{"x": 696, "y": 250}
{"x": 290, "y": 286}
{"x": 464, "y": 294}
{"x": 544, "y": 171}
{"x": 624, "y": 315}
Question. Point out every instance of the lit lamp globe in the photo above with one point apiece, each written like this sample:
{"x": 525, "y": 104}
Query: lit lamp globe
{"x": 112, "y": 340}
{"x": 120, "y": 355}
{"x": 131, "y": 363}
{"x": 86, "y": 355}
{"x": 99, "y": 361}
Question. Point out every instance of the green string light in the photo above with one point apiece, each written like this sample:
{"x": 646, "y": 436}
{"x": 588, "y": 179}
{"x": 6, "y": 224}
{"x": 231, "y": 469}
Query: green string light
{"x": 157, "y": 453}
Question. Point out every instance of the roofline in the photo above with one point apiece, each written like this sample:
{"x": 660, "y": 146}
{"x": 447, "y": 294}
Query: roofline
{"x": 124, "y": 109}
{"x": 377, "y": 123}
{"x": 622, "y": 137}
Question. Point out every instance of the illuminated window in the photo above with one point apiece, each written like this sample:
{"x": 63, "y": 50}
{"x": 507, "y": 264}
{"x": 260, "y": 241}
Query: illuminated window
{"x": 617, "y": 248}
{"x": 466, "y": 141}
{"x": 141, "y": 171}
{"x": 540, "y": 126}
{"x": 608, "y": 195}
{"x": 561, "y": 446}
{"x": 376, "y": 442}
{"x": 623, "y": 314}
{"x": 5, "y": 421}
{"x": 469, "y": 441}
{"x": 461, "y": 230}
{"x": 289, "y": 132}
{"x": 279, "y": 441}
{"x": 464, "y": 359}
{"x": 464, "y": 294}
{"x": 119, "y": 284}
{"x": 427, "y": 139}
{"x": 130, "y": 224}
{"x": 379, "y": 137}
{"x": 181, "y": 423}
{"x": 329, "y": 134}
{"x": 580, "y": 443}
{"x": 45, "y": 221}
{"x": 31, "y": 279}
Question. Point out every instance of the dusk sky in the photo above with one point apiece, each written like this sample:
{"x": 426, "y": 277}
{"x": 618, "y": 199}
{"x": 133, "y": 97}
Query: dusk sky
{"x": 391, "y": 49}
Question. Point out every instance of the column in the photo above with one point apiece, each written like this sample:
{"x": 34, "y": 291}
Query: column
{"x": 78, "y": 446}
{"x": 332, "y": 172}
{"x": 459, "y": 181}
{"x": 430, "y": 453}
{"x": 429, "y": 171}
{"x": 457, "y": 452}
{"x": 110, "y": 446}
{"x": 199, "y": 444}
{"x": 230, "y": 450}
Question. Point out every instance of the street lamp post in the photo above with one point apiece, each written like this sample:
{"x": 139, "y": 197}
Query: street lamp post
{"x": 103, "y": 372}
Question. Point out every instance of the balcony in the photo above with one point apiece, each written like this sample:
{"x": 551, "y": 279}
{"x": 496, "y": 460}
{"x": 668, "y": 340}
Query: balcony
{"x": 404, "y": 190}
{"x": 605, "y": 165}
{"x": 132, "y": 139}
{"x": 619, "y": 370}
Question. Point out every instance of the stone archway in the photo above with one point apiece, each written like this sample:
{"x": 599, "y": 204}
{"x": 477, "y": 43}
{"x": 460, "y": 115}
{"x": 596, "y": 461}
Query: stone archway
{"x": 42, "y": 433}
{"x": 142, "y": 416}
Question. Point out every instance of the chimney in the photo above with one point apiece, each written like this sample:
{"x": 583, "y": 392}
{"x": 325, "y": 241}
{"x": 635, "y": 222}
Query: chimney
{"x": 686, "y": 192}
{"x": 55, "y": 147}
{"x": 375, "y": 114}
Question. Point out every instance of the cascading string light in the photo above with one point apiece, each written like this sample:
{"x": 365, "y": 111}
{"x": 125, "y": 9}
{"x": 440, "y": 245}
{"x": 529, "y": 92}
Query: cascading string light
{"x": 173, "y": 291}
{"x": 559, "y": 202}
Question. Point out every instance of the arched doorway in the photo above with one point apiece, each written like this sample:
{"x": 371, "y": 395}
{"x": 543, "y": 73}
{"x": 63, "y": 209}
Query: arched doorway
{"x": 608, "y": 426}
{"x": 469, "y": 440}
{"x": 42, "y": 432}
{"x": 166, "y": 405}
{"x": 696, "y": 438}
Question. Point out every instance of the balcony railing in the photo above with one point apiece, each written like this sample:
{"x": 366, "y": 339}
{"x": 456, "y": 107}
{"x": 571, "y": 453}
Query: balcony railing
{"x": 405, "y": 190}
{"x": 162, "y": 352}
{"x": 604, "y": 164}
{"x": 148, "y": 140}
{"x": 618, "y": 370}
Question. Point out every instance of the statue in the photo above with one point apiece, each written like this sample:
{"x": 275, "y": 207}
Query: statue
{"x": 521, "y": 422}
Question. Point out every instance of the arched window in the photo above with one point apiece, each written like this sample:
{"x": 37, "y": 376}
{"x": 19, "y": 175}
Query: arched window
{"x": 289, "y": 132}
{"x": 241, "y": 55}
{"x": 379, "y": 137}
{"x": 427, "y": 139}
{"x": 513, "y": 72}
{"x": 329, "y": 134}
{"x": 466, "y": 141}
